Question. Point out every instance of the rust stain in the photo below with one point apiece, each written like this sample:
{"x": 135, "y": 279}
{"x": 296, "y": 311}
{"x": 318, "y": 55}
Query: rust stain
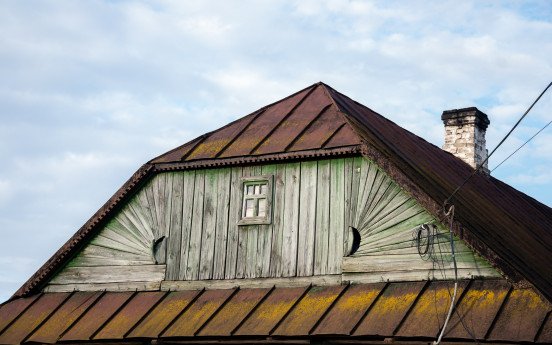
{"x": 32, "y": 317}
{"x": 521, "y": 317}
{"x": 271, "y": 311}
{"x": 308, "y": 311}
{"x": 477, "y": 310}
{"x": 163, "y": 314}
{"x": 233, "y": 312}
{"x": 198, "y": 313}
{"x": 131, "y": 313}
{"x": 96, "y": 316}
{"x": 390, "y": 309}
{"x": 429, "y": 312}
{"x": 68, "y": 313}
{"x": 348, "y": 310}
{"x": 11, "y": 310}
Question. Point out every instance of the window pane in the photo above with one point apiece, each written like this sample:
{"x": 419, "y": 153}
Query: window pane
{"x": 257, "y": 189}
{"x": 262, "y": 207}
{"x": 264, "y": 189}
{"x": 249, "y": 207}
{"x": 250, "y": 190}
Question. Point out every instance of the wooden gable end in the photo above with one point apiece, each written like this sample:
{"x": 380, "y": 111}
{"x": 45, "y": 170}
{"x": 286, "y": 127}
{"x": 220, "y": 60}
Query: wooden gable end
{"x": 181, "y": 229}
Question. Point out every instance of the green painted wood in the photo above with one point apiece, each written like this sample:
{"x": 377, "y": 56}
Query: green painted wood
{"x": 387, "y": 218}
{"x": 236, "y": 194}
{"x": 290, "y": 222}
{"x": 307, "y": 218}
{"x": 264, "y": 239}
{"x": 208, "y": 231}
{"x": 175, "y": 230}
{"x": 337, "y": 216}
{"x": 188, "y": 193}
{"x": 314, "y": 205}
{"x": 221, "y": 227}
{"x": 278, "y": 221}
{"x": 322, "y": 236}
{"x": 194, "y": 247}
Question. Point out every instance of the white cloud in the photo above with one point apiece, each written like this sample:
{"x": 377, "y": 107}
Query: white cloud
{"x": 91, "y": 90}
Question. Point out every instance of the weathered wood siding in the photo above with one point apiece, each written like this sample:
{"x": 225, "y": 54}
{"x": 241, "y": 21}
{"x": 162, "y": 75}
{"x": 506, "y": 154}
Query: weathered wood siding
{"x": 211, "y": 245}
{"x": 183, "y": 226}
{"x": 387, "y": 219}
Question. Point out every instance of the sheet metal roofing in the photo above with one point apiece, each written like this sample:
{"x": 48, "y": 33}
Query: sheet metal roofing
{"x": 510, "y": 229}
{"x": 487, "y": 310}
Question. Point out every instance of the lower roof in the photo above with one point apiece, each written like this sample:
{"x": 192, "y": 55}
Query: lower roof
{"x": 487, "y": 311}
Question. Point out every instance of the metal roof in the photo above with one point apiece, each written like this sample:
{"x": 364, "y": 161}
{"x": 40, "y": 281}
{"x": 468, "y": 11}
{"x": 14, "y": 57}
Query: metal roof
{"x": 487, "y": 310}
{"x": 507, "y": 227}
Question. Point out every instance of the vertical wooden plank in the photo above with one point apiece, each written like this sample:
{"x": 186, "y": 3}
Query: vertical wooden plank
{"x": 223, "y": 207}
{"x": 194, "y": 248}
{"x": 188, "y": 192}
{"x": 337, "y": 216}
{"x": 291, "y": 219}
{"x": 236, "y": 194}
{"x": 148, "y": 190}
{"x": 264, "y": 240}
{"x": 174, "y": 241}
{"x": 209, "y": 224}
{"x": 247, "y": 239}
{"x": 160, "y": 203}
{"x": 278, "y": 200}
{"x": 322, "y": 218}
{"x": 348, "y": 211}
{"x": 307, "y": 218}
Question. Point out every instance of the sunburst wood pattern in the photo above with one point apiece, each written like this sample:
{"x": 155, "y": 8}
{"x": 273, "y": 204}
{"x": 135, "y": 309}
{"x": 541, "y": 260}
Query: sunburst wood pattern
{"x": 386, "y": 218}
{"x": 315, "y": 205}
{"x": 124, "y": 254}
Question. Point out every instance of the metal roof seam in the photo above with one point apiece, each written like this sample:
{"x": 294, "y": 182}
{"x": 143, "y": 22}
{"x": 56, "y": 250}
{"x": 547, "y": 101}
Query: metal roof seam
{"x": 367, "y": 311}
{"x": 325, "y": 142}
{"x": 146, "y": 314}
{"x": 169, "y": 325}
{"x": 309, "y": 125}
{"x": 200, "y": 328}
{"x": 541, "y": 328}
{"x": 412, "y": 306}
{"x": 290, "y": 310}
{"x": 456, "y": 305}
{"x": 196, "y": 144}
{"x": 289, "y": 113}
{"x": 47, "y": 317}
{"x": 112, "y": 316}
{"x": 261, "y": 301}
{"x": 18, "y": 315}
{"x": 82, "y": 315}
{"x": 329, "y": 308}
{"x": 498, "y": 313}
{"x": 240, "y": 132}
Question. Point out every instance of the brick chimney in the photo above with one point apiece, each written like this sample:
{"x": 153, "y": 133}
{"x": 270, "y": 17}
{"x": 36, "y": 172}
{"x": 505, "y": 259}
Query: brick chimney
{"x": 465, "y": 135}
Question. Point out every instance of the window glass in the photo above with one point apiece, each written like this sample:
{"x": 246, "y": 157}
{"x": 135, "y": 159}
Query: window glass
{"x": 256, "y": 200}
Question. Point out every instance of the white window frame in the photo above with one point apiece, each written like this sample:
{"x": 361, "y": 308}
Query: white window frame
{"x": 253, "y": 180}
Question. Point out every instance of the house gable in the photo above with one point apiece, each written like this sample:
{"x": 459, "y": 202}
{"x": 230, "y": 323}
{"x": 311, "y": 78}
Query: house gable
{"x": 340, "y": 127}
{"x": 184, "y": 226}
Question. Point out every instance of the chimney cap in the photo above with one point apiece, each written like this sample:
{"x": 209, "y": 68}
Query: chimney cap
{"x": 481, "y": 119}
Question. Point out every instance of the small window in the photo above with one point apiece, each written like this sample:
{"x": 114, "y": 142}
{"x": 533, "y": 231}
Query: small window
{"x": 257, "y": 200}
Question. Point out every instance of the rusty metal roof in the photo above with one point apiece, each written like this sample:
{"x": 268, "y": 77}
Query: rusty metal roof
{"x": 507, "y": 227}
{"x": 487, "y": 310}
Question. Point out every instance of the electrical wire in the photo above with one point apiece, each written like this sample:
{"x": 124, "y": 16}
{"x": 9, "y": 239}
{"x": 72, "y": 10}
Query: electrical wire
{"x": 497, "y": 146}
{"x": 450, "y": 213}
{"x": 519, "y": 148}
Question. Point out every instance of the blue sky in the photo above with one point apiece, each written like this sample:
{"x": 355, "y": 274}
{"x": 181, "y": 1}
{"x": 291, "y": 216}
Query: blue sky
{"x": 91, "y": 90}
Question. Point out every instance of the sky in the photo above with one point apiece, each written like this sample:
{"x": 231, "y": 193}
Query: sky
{"x": 89, "y": 91}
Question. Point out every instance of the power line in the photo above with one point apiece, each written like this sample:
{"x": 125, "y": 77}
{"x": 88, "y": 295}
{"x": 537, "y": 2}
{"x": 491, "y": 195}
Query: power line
{"x": 497, "y": 146}
{"x": 525, "y": 143}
